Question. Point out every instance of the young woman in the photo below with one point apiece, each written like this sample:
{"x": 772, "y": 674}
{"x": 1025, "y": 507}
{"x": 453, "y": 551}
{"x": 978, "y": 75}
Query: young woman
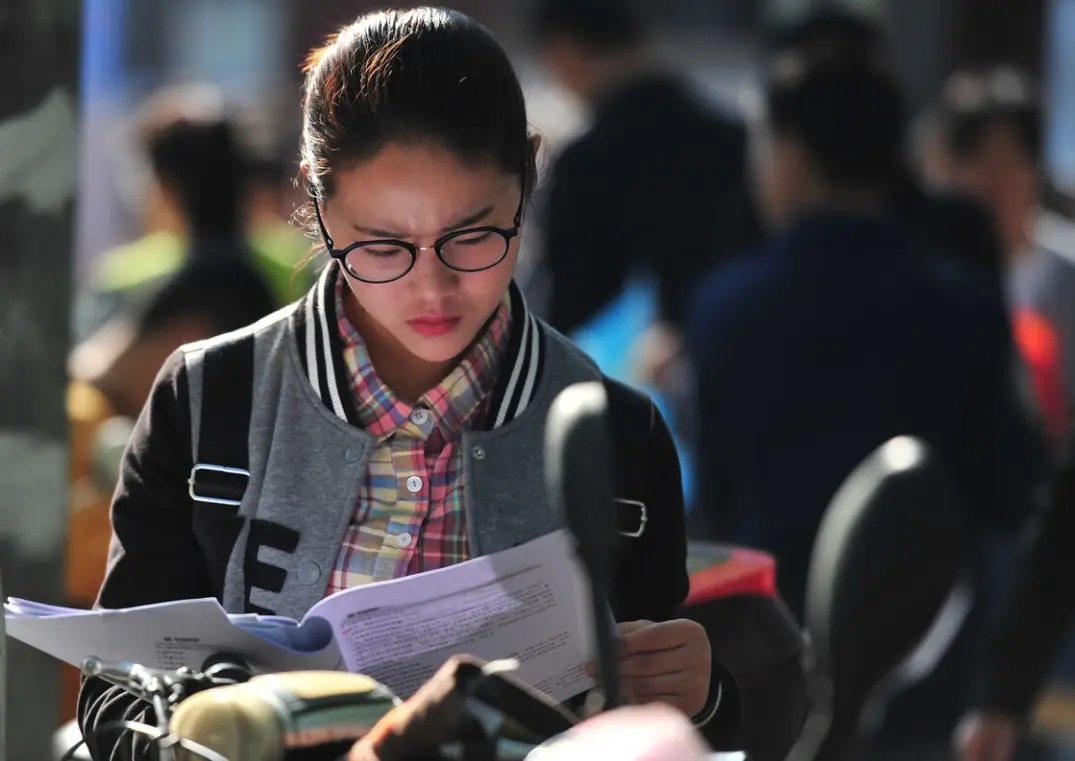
{"x": 398, "y": 410}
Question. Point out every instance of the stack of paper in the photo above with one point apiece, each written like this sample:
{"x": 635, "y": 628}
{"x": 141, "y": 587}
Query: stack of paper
{"x": 525, "y": 603}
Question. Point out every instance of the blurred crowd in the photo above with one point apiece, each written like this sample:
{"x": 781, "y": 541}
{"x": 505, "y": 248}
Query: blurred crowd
{"x": 830, "y": 271}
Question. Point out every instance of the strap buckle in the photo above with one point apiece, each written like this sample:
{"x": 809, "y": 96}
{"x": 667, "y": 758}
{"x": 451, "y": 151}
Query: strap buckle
{"x": 218, "y": 484}
{"x": 631, "y": 518}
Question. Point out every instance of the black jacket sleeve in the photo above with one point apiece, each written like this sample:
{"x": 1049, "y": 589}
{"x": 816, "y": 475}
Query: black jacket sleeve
{"x": 666, "y": 490}
{"x": 651, "y": 580}
{"x": 154, "y": 556}
{"x": 1038, "y": 613}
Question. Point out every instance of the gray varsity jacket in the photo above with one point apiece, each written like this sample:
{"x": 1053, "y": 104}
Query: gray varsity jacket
{"x": 271, "y": 548}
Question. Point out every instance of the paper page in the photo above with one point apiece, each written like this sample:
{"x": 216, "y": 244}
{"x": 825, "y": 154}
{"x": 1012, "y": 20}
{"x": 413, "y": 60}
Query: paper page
{"x": 166, "y": 636}
{"x": 526, "y": 603}
{"x": 313, "y": 635}
{"x": 33, "y": 609}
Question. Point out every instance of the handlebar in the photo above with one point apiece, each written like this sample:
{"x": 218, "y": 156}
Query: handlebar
{"x": 164, "y": 690}
{"x": 236, "y": 713}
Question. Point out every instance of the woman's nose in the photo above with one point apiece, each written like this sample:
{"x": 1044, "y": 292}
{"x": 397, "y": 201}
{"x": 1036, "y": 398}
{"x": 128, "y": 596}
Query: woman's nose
{"x": 430, "y": 272}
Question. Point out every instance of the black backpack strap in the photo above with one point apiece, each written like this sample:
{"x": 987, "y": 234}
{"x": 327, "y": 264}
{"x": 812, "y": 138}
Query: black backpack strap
{"x": 630, "y": 415}
{"x": 222, "y": 463}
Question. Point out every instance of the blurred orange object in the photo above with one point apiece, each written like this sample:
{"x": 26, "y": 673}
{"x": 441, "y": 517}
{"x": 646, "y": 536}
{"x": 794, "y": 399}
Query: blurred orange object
{"x": 1040, "y": 347}
{"x": 89, "y": 526}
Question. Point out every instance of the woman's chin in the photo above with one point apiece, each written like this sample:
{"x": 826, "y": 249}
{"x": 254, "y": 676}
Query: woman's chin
{"x": 437, "y": 349}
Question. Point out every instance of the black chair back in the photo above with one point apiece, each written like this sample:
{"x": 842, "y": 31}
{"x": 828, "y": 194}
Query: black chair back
{"x": 885, "y": 595}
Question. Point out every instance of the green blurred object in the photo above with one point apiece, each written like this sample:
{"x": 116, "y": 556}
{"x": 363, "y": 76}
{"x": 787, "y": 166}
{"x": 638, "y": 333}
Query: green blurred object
{"x": 702, "y": 555}
{"x": 278, "y": 251}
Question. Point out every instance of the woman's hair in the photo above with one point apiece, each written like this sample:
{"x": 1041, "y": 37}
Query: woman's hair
{"x": 425, "y": 76}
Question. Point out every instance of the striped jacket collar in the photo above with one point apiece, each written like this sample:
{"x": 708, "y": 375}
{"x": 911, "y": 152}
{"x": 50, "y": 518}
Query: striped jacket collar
{"x": 321, "y": 354}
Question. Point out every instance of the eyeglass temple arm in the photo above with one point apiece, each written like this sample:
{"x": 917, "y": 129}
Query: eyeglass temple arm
{"x": 321, "y": 223}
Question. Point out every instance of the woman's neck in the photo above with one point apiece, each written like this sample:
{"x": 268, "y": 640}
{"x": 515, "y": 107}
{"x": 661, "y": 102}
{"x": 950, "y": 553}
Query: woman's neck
{"x": 408, "y": 376}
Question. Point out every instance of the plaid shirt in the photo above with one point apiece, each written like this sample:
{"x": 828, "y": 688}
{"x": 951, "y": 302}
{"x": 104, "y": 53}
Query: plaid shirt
{"x": 409, "y": 516}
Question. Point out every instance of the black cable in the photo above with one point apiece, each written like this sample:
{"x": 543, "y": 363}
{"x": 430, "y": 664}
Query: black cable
{"x": 108, "y": 726}
{"x": 159, "y": 738}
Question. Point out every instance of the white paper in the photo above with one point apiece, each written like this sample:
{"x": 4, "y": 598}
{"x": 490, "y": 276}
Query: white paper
{"x": 22, "y": 607}
{"x": 527, "y": 603}
{"x": 165, "y": 636}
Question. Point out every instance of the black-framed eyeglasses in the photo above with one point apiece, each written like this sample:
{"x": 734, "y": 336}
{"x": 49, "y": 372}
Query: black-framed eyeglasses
{"x": 384, "y": 260}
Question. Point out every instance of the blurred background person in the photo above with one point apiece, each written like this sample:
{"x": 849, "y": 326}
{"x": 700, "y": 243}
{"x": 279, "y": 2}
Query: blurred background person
{"x": 648, "y": 198}
{"x": 952, "y": 223}
{"x": 661, "y": 169}
{"x": 1031, "y": 631}
{"x": 217, "y": 285}
{"x": 272, "y": 199}
{"x": 203, "y": 181}
{"x": 656, "y": 183}
{"x": 987, "y": 133}
{"x": 843, "y": 332}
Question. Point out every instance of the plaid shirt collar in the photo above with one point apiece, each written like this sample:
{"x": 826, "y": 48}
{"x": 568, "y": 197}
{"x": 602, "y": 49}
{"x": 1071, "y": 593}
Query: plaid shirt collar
{"x": 320, "y": 355}
{"x": 456, "y": 403}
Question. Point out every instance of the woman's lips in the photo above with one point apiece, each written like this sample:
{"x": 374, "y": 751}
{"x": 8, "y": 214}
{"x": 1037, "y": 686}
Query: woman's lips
{"x": 434, "y": 325}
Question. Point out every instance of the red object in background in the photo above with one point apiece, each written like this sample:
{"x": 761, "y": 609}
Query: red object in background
{"x": 729, "y": 570}
{"x": 1040, "y": 347}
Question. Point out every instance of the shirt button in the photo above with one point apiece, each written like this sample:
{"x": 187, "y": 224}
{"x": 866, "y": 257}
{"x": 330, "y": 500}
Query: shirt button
{"x": 414, "y": 484}
{"x": 352, "y": 454}
{"x": 404, "y": 540}
{"x": 419, "y": 416}
{"x": 478, "y": 452}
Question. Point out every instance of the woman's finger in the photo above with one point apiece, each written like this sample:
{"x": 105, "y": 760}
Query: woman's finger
{"x": 653, "y": 687}
{"x": 632, "y": 626}
{"x": 668, "y": 699}
{"x": 657, "y": 664}
{"x": 653, "y": 638}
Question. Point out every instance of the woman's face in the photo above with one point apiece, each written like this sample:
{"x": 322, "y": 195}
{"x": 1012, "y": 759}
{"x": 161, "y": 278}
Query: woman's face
{"x": 419, "y": 194}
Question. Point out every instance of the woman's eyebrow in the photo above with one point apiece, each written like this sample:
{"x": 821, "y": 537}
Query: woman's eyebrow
{"x": 469, "y": 220}
{"x": 466, "y": 221}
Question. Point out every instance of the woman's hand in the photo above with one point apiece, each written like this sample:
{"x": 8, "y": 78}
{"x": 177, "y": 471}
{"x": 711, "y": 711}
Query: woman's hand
{"x": 668, "y": 662}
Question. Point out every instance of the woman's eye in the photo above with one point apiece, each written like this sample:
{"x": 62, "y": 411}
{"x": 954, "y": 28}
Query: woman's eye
{"x": 382, "y": 252}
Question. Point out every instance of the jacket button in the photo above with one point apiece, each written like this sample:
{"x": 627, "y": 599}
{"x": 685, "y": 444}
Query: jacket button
{"x": 478, "y": 452}
{"x": 309, "y": 572}
{"x": 352, "y": 454}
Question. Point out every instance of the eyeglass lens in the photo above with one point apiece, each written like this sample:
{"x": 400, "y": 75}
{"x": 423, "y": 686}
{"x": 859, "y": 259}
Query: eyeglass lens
{"x": 469, "y": 252}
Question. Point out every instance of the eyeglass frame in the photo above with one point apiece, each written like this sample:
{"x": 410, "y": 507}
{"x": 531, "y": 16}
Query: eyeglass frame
{"x": 340, "y": 255}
